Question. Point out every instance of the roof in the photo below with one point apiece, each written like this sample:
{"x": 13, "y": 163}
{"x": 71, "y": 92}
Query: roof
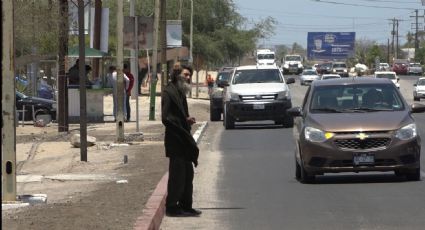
{"x": 352, "y": 81}
{"x": 247, "y": 67}
{"x": 89, "y": 52}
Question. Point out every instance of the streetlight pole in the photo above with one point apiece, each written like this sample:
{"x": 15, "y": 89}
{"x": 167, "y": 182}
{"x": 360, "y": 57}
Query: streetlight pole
{"x": 191, "y": 48}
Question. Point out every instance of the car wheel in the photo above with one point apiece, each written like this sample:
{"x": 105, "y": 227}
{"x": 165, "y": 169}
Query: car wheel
{"x": 305, "y": 177}
{"x": 215, "y": 114}
{"x": 414, "y": 175}
{"x": 288, "y": 121}
{"x": 297, "y": 171}
{"x": 228, "y": 121}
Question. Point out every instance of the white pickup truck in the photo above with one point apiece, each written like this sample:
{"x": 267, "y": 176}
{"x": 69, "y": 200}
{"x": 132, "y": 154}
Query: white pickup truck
{"x": 292, "y": 64}
{"x": 257, "y": 93}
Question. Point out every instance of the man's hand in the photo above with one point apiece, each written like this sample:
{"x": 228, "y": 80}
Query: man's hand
{"x": 191, "y": 120}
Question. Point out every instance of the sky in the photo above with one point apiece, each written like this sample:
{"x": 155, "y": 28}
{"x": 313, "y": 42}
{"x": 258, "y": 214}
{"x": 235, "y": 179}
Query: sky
{"x": 370, "y": 19}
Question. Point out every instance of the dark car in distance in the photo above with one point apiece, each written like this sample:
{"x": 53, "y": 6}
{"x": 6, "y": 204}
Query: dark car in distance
{"x": 216, "y": 97}
{"x": 356, "y": 125}
{"x": 400, "y": 66}
{"x": 31, "y": 107}
{"x": 324, "y": 68}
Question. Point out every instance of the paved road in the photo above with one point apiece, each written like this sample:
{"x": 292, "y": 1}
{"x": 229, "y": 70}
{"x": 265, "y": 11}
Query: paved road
{"x": 246, "y": 181}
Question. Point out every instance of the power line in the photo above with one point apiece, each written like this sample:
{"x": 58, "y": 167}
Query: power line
{"x": 359, "y": 5}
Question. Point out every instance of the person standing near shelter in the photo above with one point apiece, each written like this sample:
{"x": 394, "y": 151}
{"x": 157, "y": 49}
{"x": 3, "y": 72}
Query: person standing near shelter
{"x": 210, "y": 83}
{"x": 180, "y": 146}
{"x": 130, "y": 77}
{"x": 115, "y": 92}
{"x": 74, "y": 74}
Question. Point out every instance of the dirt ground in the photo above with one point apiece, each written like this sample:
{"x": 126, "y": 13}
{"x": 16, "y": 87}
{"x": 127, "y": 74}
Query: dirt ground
{"x": 91, "y": 203}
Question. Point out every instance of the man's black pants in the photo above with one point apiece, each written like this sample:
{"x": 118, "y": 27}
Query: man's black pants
{"x": 180, "y": 184}
{"x": 128, "y": 108}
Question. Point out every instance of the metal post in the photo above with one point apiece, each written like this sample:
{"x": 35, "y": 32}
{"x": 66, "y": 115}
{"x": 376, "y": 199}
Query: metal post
{"x": 163, "y": 37}
{"x": 191, "y": 44}
{"x": 154, "y": 61}
{"x": 82, "y": 73}
{"x": 62, "y": 115}
{"x": 134, "y": 65}
{"x": 8, "y": 160}
{"x": 120, "y": 74}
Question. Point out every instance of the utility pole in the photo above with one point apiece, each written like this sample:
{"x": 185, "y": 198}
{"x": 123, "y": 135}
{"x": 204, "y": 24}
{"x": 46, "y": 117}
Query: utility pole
{"x": 392, "y": 40}
{"x": 398, "y": 45}
{"x": 388, "y": 51}
{"x": 82, "y": 73}
{"x": 134, "y": 65}
{"x": 416, "y": 28}
{"x": 191, "y": 47}
{"x": 8, "y": 130}
{"x": 120, "y": 74}
{"x": 63, "y": 125}
{"x": 154, "y": 60}
{"x": 163, "y": 37}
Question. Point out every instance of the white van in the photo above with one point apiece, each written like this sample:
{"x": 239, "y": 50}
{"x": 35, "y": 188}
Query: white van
{"x": 266, "y": 57}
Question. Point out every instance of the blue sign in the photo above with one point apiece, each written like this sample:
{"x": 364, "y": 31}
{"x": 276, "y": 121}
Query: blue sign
{"x": 330, "y": 45}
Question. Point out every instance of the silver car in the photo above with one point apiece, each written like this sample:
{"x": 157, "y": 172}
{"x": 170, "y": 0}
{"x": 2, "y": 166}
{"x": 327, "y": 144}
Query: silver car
{"x": 415, "y": 68}
{"x": 308, "y": 76}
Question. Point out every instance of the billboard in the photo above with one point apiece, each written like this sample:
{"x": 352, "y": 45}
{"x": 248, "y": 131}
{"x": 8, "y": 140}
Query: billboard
{"x": 330, "y": 45}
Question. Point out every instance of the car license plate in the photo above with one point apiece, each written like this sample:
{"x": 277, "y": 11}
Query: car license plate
{"x": 363, "y": 159}
{"x": 258, "y": 106}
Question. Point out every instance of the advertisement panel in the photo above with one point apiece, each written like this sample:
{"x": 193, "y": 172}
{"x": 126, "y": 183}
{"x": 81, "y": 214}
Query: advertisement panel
{"x": 174, "y": 33}
{"x": 330, "y": 45}
{"x": 144, "y": 32}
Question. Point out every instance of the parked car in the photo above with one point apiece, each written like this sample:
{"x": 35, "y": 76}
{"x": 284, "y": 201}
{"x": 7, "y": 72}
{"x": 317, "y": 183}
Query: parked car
{"x": 256, "y": 93}
{"x": 419, "y": 90}
{"x": 34, "y": 106}
{"x": 330, "y": 76}
{"x": 388, "y": 75}
{"x": 384, "y": 66}
{"x": 308, "y": 75}
{"x": 216, "y": 98}
{"x": 356, "y": 125}
{"x": 415, "y": 68}
{"x": 340, "y": 68}
{"x": 400, "y": 66}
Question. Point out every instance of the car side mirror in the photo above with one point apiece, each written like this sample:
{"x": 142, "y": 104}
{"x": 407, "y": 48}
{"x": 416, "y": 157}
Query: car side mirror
{"x": 398, "y": 79}
{"x": 415, "y": 84}
{"x": 290, "y": 80}
{"x": 295, "y": 111}
{"x": 417, "y": 108}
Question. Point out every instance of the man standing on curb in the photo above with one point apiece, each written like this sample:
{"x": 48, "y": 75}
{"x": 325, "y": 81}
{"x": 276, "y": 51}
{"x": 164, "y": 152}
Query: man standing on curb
{"x": 180, "y": 147}
{"x": 130, "y": 77}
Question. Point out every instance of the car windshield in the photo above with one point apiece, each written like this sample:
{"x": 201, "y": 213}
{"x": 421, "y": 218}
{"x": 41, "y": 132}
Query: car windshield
{"x": 390, "y": 76}
{"x": 293, "y": 58}
{"x": 223, "y": 76}
{"x": 265, "y": 56}
{"x": 339, "y": 65}
{"x": 326, "y": 65}
{"x": 355, "y": 98}
{"x": 309, "y": 72}
{"x": 421, "y": 82}
{"x": 415, "y": 65}
{"x": 257, "y": 76}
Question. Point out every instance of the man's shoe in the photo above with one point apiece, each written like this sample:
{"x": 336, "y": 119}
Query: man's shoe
{"x": 176, "y": 213}
{"x": 192, "y": 212}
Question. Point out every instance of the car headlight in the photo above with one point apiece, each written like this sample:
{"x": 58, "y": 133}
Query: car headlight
{"x": 316, "y": 135}
{"x": 334, "y": 70}
{"x": 345, "y": 71}
{"x": 284, "y": 95}
{"x": 300, "y": 65}
{"x": 407, "y": 132}
{"x": 234, "y": 97}
{"x": 285, "y": 66}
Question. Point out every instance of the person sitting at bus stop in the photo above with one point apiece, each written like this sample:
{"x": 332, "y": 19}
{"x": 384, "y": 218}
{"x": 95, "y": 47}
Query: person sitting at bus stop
{"x": 74, "y": 75}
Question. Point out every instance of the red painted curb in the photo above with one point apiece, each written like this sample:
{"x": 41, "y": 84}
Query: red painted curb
{"x": 154, "y": 209}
